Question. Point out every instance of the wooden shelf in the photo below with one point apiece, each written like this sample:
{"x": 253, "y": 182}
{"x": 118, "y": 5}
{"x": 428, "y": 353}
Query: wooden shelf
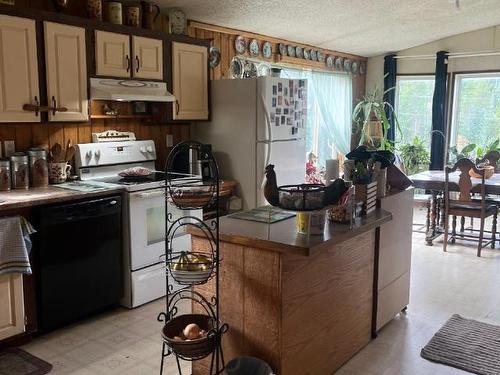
{"x": 119, "y": 116}
{"x": 302, "y": 62}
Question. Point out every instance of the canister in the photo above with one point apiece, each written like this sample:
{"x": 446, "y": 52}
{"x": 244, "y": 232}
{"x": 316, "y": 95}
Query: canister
{"x": 39, "y": 174}
{"x": 5, "y": 175}
{"x": 19, "y": 170}
{"x": 113, "y": 12}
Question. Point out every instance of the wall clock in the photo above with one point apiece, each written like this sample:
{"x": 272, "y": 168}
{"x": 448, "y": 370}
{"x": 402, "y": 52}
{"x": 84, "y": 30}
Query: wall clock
{"x": 177, "y": 21}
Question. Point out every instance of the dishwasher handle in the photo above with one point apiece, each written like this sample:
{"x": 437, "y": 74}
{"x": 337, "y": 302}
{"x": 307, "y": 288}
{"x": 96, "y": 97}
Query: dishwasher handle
{"x": 80, "y": 211}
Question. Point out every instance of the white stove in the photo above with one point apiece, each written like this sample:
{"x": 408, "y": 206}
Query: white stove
{"x": 144, "y": 211}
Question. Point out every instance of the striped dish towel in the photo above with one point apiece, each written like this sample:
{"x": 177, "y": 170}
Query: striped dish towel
{"x": 15, "y": 245}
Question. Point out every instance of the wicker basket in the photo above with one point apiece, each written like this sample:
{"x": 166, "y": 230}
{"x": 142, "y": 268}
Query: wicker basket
{"x": 195, "y": 349}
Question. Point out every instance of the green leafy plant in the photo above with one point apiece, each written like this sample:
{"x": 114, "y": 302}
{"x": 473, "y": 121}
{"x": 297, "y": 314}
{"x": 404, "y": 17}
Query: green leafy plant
{"x": 373, "y": 108}
{"x": 415, "y": 156}
{"x": 493, "y": 146}
{"x": 465, "y": 152}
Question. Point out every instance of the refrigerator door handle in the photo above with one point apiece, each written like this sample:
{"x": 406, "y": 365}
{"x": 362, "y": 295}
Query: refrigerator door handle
{"x": 266, "y": 163}
{"x": 268, "y": 119}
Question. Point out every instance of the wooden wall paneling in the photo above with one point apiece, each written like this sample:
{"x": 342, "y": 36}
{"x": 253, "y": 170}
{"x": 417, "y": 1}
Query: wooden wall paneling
{"x": 56, "y": 134}
{"x": 84, "y": 133}
{"x": 40, "y": 134}
{"x": 224, "y": 55}
{"x": 24, "y": 136}
{"x": 71, "y": 134}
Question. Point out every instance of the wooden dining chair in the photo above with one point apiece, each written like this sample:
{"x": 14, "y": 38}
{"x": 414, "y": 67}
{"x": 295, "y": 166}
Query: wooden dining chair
{"x": 460, "y": 203}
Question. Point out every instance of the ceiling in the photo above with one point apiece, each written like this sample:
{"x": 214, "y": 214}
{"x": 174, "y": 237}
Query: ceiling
{"x": 362, "y": 27}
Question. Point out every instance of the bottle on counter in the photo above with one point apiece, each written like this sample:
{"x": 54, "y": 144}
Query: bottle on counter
{"x": 19, "y": 171}
{"x": 5, "y": 178}
{"x": 39, "y": 173}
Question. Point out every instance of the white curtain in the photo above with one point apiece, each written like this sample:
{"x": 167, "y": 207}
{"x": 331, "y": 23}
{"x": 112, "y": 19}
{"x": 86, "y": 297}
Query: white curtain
{"x": 329, "y": 109}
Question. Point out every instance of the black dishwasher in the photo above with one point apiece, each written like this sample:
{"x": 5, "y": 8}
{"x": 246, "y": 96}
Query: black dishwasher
{"x": 78, "y": 260}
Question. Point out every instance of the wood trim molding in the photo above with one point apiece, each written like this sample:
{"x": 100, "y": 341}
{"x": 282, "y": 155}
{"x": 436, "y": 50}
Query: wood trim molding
{"x": 225, "y": 30}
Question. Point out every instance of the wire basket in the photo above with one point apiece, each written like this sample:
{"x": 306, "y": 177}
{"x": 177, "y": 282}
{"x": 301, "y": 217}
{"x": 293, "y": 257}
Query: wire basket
{"x": 303, "y": 197}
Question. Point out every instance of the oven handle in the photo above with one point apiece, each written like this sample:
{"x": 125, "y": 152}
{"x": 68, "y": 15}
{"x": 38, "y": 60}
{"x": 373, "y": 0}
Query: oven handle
{"x": 150, "y": 194}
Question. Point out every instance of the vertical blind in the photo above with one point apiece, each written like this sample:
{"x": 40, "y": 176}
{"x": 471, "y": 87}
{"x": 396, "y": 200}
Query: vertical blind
{"x": 329, "y": 101}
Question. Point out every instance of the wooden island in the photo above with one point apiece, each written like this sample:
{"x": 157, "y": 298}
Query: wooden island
{"x": 304, "y": 304}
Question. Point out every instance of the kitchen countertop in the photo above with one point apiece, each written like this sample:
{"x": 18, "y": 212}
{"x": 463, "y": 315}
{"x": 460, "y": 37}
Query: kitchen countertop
{"x": 283, "y": 237}
{"x": 18, "y": 198}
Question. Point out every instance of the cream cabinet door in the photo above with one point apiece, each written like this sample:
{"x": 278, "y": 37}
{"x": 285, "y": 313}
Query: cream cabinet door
{"x": 112, "y": 54}
{"x": 18, "y": 69}
{"x": 66, "y": 65}
{"x": 148, "y": 58}
{"x": 11, "y": 305}
{"x": 190, "y": 81}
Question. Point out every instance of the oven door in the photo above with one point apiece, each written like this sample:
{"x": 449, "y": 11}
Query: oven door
{"x": 147, "y": 227}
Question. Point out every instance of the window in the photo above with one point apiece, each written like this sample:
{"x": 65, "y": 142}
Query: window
{"x": 329, "y": 110}
{"x": 476, "y": 110}
{"x": 414, "y": 109}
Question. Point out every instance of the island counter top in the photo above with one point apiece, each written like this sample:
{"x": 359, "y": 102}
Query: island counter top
{"x": 304, "y": 304}
{"x": 282, "y": 236}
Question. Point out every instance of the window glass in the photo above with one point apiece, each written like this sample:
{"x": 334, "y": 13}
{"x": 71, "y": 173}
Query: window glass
{"x": 414, "y": 109}
{"x": 476, "y": 110}
{"x": 328, "y": 127}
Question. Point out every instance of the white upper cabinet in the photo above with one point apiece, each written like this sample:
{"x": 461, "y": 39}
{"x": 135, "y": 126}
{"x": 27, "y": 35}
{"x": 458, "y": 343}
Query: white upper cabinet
{"x": 148, "y": 58}
{"x": 18, "y": 69}
{"x": 11, "y": 305}
{"x": 190, "y": 81}
{"x": 114, "y": 57}
{"x": 112, "y": 54}
{"x": 66, "y": 67}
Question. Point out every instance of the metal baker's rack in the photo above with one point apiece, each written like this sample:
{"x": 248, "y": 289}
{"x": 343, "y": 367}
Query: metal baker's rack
{"x": 193, "y": 267}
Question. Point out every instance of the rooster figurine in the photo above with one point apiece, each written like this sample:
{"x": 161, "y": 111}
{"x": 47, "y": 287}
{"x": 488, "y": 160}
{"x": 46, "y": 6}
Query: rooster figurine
{"x": 271, "y": 186}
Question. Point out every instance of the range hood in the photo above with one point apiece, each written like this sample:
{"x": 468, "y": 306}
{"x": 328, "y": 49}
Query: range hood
{"x": 129, "y": 90}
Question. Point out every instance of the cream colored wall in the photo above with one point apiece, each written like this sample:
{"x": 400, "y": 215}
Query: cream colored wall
{"x": 480, "y": 40}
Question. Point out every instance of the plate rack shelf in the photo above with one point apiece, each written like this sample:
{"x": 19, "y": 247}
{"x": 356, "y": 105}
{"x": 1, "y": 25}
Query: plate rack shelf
{"x": 187, "y": 268}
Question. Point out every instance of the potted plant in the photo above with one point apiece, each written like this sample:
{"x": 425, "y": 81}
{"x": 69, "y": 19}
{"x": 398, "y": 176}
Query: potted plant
{"x": 415, "y": 156}
{"x": 370, "y": 116}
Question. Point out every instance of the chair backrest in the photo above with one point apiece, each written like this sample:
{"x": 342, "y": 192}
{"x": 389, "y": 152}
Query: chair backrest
{"x": 492, "y": 158}
{"x": 465, "y": 186}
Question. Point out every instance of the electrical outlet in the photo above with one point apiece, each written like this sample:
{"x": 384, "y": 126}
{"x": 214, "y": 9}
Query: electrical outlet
{"x": 170, "y": 140}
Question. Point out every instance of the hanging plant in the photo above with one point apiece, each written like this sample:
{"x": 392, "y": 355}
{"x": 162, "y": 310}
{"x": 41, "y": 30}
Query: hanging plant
{"x": 370, "y": 118}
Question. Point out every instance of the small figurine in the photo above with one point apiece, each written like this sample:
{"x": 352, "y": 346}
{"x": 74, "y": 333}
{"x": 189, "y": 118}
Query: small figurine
{"x": 271, "y": 186}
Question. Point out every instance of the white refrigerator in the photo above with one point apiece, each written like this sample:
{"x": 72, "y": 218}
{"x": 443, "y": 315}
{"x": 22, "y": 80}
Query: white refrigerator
{"x": 256, "y": 122}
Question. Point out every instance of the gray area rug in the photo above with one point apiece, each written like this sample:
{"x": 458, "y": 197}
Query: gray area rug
{"x": 18, "y": 362}
{"x": 466, "y": 344}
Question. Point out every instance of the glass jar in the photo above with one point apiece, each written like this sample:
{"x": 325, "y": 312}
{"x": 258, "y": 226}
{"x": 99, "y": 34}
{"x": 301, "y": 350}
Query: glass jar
{"x": 19, "y": 171}
{"x": 39, "y": 173}
{"x": 5, "y": 175}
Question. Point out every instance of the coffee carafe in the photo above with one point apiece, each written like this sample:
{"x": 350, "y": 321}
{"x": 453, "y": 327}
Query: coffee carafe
{"x": 150, "y": 13}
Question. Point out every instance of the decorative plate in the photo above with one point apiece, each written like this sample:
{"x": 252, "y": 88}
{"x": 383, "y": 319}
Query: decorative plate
{"x": 347, "y": 65}
{"x": 321, "y": 56}
{"x": 240, "y": 44}
{"x": 267, "y": 50}
{"x": 307, "y": 54}
{"x": 250, "y": 70}
{"x": 214, "y": 57}
{"x": 354, "y": 67}
{"x": 299, "y": 52}
{"x": 314, "y": 55}
{"x": 236, "y": 68}
{"x": 362, "y": 68}
{"x": 283, "y": 49}
{"x": 263, "y": 70}
{"x": 291, "y": 51}
{"x": 254, "y": 48}
{"x": 329, "y": 61}
{"x": 339, "y": 63}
